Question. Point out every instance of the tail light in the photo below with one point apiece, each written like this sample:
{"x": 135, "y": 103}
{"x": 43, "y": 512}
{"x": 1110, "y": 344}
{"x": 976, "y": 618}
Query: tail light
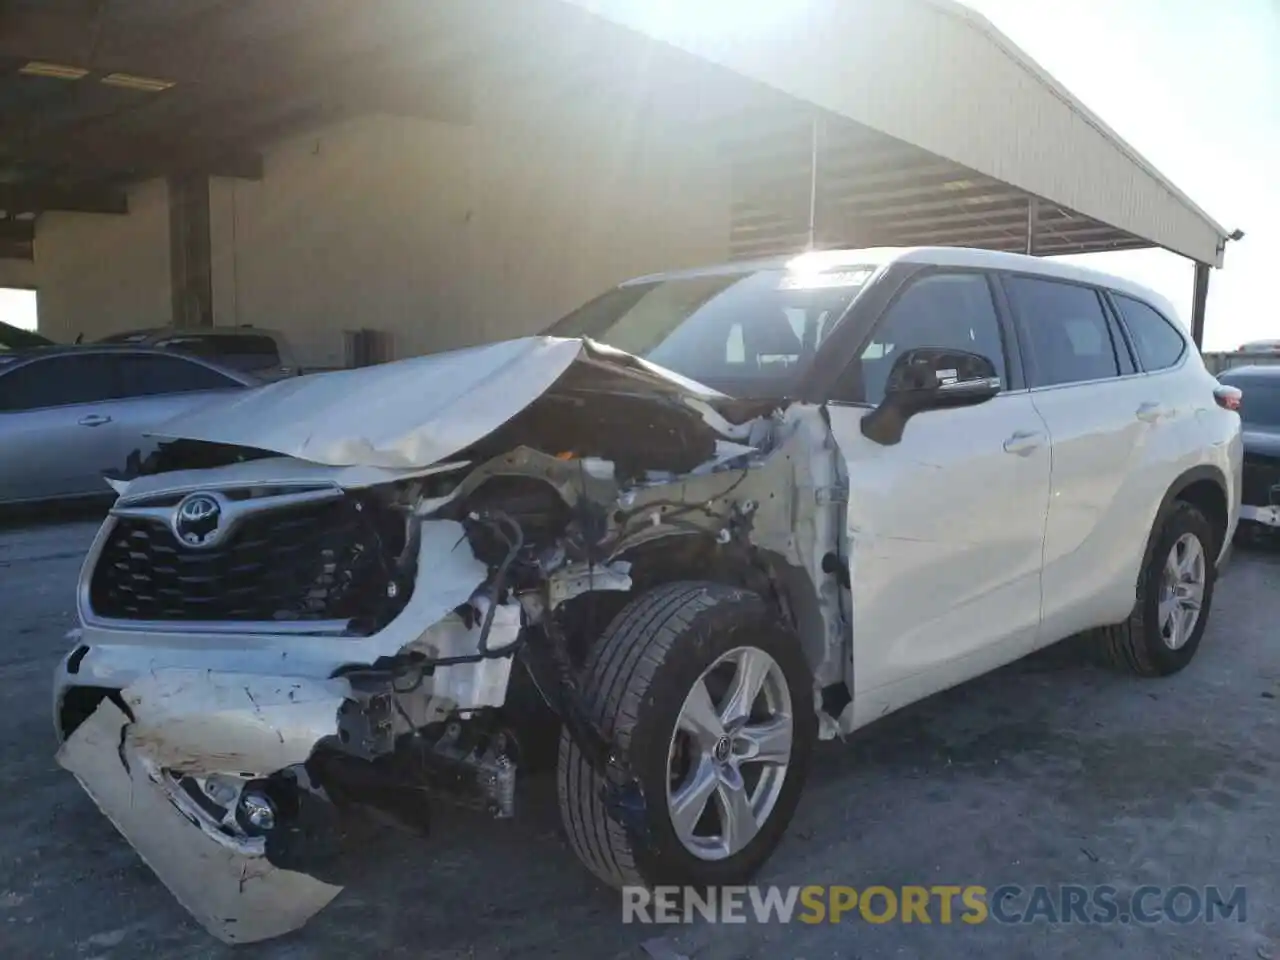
{"x": 1228, "y": 398}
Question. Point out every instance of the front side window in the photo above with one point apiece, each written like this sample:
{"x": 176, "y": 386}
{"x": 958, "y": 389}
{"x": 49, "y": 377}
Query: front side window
{"x": 1068, "y": 334}
{"x": 1159, "y": 345}
{"x": 57, "y": 382}
{"x": 748, "y": 334}
{"x": 952, "y": 311}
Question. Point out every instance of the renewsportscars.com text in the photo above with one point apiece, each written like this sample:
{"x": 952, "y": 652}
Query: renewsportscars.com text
{"x": 938, "y": 903}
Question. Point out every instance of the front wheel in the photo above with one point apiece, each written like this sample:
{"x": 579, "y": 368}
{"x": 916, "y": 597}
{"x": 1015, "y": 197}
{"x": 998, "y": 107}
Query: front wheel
{"x": 707, "y": 700}
{"x": 1175, "y": 593}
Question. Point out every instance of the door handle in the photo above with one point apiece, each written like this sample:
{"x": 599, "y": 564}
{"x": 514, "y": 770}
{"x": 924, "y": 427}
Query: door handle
{"x": 93, "y": 420}
{"x": 1024, "y": 442}
{"x": 1151, "y": 411}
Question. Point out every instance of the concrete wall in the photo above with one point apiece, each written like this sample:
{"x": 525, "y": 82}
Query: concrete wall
{"x": 450, "y": 235}
{"x": 100, "y": 273}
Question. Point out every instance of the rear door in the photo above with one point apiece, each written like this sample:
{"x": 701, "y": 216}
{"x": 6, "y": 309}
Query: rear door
{"x": 157, "y": 388}
{"x": 1103, "y": 416}
{"x": 59, "y": 428}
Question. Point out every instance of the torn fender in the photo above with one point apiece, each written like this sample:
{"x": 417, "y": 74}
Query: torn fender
{"x": 237, "y": 896}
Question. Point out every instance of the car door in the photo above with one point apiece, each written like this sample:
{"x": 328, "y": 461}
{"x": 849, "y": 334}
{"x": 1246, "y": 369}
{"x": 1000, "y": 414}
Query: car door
{"x": 157, "y": 388}
{"x": 945, "y": 528}
{"x": 1102, "y": 416}
{"x": 58, "y": 427}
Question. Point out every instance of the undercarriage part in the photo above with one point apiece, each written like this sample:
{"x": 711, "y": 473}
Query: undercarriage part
{"x": 471, "y": 763}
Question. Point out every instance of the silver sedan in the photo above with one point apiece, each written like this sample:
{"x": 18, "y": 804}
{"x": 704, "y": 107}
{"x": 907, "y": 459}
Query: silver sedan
{"x": 69, "y": 415}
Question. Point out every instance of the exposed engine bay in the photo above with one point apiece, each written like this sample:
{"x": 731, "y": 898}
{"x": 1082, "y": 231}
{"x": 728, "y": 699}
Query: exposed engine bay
{"x": 280, "y": 639}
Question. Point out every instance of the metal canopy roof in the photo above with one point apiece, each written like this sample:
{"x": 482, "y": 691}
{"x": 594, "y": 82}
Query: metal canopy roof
{"x": 852, "y": 123}
{"x": 937, "y": 75}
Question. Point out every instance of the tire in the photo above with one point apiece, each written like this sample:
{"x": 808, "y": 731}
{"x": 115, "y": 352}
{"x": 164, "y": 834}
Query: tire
{"x": 635, "y": 684}
{"x": 1139, "y": 645}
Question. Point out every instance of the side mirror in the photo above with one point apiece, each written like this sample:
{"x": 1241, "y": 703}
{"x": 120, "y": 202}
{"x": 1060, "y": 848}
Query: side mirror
{"x": 929, "y": 378}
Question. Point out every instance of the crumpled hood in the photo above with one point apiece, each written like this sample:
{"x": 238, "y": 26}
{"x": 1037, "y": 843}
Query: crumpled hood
{"x": 417, "y": 412}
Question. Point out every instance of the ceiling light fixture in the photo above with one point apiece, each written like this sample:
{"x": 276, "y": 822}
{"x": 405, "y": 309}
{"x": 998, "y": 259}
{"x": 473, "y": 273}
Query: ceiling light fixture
{"x": 58, "y": 71}
{"x": 131, "y": 82}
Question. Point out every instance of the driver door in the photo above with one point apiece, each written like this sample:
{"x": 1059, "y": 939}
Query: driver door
{"x": 946, "y": 527}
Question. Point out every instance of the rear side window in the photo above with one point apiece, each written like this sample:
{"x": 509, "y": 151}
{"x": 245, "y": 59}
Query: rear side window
{"x": 1068, "y": 334}
{"x": 58, "y": 382}
{"x": 1159, "y": 345}
{"x": 239, "y": 351}
{"x": 146, "y": 376}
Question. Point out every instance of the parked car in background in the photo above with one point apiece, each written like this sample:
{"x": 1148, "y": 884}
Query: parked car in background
{"x": 264, "y": 353}
{"x": 1260, "y": 412}
{"x": 715, "y": 516}
{"x": 70, "y": 414}
{"x": 15, "y": 338}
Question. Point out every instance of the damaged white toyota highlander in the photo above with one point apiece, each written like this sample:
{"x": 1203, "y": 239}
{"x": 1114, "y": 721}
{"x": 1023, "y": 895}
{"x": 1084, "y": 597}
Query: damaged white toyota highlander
{"x": 808, "y": 493}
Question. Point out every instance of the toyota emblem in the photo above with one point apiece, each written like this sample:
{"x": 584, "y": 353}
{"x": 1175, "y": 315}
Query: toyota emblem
{"x": 197, "y": 520}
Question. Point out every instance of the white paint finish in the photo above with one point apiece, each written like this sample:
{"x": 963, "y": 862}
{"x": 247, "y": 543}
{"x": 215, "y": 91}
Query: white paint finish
{"x": 105, "y": 273}
{"x": 449, "y": 235}
{"x": 897, "y": 67}
{"x": 1118, "y": 446}
{"x": 201, "y": 722}
{"x": 270, "y": 472}
{"x": 411, "y": 413}
{"x": 237, "y": 898}
{"x": 945, "y": 531}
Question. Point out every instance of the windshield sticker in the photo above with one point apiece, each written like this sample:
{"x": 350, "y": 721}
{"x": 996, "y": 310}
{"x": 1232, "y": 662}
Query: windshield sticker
{"x": 826, "y": 280}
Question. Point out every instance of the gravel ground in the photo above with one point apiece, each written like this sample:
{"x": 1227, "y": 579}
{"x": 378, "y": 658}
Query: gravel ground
{"x": 1049, "y": 772}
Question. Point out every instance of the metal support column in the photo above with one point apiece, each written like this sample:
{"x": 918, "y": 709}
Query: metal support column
{"x": 1199, "y": 298}
{"x": 1033, "y": 217}
{"x": 813, "y": 180}
{"x": 190, "y": 271}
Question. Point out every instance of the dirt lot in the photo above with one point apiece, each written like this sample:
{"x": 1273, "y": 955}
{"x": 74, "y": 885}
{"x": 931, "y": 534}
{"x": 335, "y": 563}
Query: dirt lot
{"x": 1050, "y": 772}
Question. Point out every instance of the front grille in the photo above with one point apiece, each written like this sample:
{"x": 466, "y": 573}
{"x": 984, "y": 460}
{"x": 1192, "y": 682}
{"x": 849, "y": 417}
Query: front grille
{"x": 319, "y": 561}
{"x": 1261, "y": 473}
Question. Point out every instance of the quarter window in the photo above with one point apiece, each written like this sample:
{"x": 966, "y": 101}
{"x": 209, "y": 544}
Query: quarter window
{"x": 147, "y": 375}
{"x": 1159, "y": 345}
{"x": 949, "y": 310}
{"x": 1068, "y": 334}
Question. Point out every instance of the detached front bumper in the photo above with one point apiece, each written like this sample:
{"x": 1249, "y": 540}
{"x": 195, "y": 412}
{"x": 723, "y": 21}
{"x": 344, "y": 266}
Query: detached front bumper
{"x": 185, "y": 723}
{"x": 196, "y": 744}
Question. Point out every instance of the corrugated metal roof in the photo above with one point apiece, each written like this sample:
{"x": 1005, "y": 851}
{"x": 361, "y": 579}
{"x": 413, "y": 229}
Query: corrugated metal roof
{"x": 939, "y": 76}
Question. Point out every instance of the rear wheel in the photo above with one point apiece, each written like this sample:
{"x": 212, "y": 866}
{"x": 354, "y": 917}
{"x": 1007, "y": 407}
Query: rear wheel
{"x": 708, "y": 702}
{"x": 1175, "y": 593}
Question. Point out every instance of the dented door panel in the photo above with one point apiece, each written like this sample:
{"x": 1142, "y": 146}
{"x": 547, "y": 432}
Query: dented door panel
{"x": 945, "y": 535}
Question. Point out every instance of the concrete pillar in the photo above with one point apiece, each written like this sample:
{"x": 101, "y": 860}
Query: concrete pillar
{"x": 190, "y": 271}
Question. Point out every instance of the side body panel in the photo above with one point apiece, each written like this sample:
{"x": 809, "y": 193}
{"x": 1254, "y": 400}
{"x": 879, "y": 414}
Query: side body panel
{"x": 944, "y": 547}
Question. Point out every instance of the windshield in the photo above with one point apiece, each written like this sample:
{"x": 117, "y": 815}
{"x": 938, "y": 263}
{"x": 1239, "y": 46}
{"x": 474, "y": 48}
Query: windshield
{"x": 1260, "y": 403}
{"x": 748, "y": 334}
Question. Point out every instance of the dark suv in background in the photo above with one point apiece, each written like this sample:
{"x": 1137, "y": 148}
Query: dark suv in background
{"x": 263, "y": 353}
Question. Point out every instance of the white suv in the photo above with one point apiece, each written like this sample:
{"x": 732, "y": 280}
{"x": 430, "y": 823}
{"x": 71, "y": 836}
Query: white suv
{"x": 831, "y": 486}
